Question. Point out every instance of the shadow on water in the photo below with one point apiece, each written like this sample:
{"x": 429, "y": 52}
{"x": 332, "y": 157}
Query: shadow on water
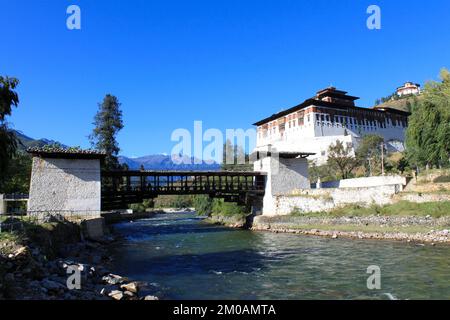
{"x": 240, "y": 261}
{"x": 169, "y": 229}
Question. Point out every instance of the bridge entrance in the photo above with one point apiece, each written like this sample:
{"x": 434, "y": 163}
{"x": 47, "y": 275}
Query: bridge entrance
{"x": 121, "y": 188}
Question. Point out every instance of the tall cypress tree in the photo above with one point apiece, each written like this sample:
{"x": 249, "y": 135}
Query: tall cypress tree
{"x": 108, "y": 122}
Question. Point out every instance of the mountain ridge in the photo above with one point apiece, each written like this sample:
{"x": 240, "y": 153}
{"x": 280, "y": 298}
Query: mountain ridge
{"x": 150, "y": 162}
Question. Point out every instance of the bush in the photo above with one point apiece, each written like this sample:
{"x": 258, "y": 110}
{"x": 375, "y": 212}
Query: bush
{"x": 203, "y": 205}
{"x": 221, "y": 207}
{"x": 174, "y": 201}
{"x": 142, "y": 207}
{"x": 442, "y": 179}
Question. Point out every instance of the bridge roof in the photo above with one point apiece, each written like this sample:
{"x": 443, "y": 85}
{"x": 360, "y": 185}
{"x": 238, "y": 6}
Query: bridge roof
{"x": 61, "y": 153}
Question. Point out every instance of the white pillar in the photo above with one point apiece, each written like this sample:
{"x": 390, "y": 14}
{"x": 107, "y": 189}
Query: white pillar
{"x": 285, "y": 174}
{"x": 2, "y": 204}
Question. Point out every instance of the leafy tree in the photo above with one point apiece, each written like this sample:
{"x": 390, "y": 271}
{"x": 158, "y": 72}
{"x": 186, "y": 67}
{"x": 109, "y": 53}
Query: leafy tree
{"x": 369, "y": 153}
{"x": 325, "y": 172}
{"x": 341, "y": 158}
{"x": 236, "y": 155}
{"x": 428, "y": 133}
{"x": 108, "y": 122}
{"x": 402, "y": 165}
{"x": 17, "y": 175}
{"x": 8, "y": 97}
{"x": 8, "y": 143}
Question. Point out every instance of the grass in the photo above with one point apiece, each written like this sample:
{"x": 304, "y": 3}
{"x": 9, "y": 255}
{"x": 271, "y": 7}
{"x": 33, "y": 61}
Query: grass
{"x": 402, "y": 208}
{"x": 10, "y": 237}
{"x": 50, "y": 237}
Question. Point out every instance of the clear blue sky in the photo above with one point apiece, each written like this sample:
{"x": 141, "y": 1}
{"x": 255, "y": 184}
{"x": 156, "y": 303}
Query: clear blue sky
{"x": 227, "y": 63}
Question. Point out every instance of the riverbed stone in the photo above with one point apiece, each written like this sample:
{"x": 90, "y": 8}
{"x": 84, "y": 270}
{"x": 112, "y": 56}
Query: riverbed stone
{"x": 116, "y": 295}
{"x": 132, "y": 287}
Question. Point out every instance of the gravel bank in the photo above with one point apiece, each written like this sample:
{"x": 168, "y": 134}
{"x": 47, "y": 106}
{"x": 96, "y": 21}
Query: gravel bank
{"x": 408, "y": 228}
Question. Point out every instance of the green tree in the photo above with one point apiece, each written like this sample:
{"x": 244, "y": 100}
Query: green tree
{"x": 8, "y": 143}
{"x": 428, "y": 133}
{"x": 18, "y": 173}
{"x": 341, "y": 158}
{"x": 235, "y": 158}
{"x": 369, "y": 153}
{"x": 108, "y": 122}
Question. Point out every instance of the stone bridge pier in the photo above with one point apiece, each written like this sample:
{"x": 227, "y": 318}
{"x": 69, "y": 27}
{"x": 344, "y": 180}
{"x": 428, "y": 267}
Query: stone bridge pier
{"x": 286, "y": 172}
{"x": 65, "y": 183}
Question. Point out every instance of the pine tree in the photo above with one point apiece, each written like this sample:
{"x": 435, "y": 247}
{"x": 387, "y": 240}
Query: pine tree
{"x": 108, "y": 122}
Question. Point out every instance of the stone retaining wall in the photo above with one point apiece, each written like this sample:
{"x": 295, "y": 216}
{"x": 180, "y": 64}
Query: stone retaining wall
{"x": 314, "y": 200}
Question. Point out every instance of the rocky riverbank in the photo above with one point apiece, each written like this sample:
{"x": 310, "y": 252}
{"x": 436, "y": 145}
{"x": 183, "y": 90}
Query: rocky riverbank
{"x": 406, "y": 228}
{"x": 45, "y": 266}
{"x": 228, "y": 221}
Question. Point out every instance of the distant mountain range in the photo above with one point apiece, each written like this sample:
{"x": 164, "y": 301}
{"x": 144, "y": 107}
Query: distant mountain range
{"x": 26, "y": 142}
{"x": 165, "y": 162}
{"x": 150, "y": 162}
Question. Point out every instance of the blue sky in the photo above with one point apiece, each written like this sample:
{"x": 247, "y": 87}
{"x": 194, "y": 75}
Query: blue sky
{"x": 227, "y": 63}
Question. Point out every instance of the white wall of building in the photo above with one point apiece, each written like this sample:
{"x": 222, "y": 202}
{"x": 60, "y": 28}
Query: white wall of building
{"x": 283, "y": 176}
{"x": 65, "y": 185}
{"x": 316, "y": 135}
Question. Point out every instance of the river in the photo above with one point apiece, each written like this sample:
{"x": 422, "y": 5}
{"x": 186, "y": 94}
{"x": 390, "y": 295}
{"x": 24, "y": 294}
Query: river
{"x": 183, "y": 257}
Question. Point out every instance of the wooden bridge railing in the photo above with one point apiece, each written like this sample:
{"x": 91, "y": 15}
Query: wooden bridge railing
{"x": 125, "y": 187}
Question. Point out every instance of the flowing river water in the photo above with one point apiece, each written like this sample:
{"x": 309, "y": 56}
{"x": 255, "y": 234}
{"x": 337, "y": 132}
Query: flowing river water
{"x": 184, "y": 257}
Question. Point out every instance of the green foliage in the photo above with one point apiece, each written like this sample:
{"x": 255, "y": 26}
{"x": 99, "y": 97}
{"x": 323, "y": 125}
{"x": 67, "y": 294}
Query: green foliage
{"x": 442, "y": 179}
{"x": 174, "y": 201}
{"x": 369, "y": 154}
{"x": 228, "y": 208}
{"x": 324, "y": 172}
{"x": 203, "y": 205}
{"x": 8, "y": 97}
{"x": 341, "y": 159}
{"x": 402, "y": 208}
{"x": 428, "y": 133}
{"x": 397, "y": 163}
{"x": 108, "y": 122}
{"x": 142, "y": 207}
{"x": 18, "y": 174}
{"x": 8, "y": 143}
{"x": 235, "y": 158}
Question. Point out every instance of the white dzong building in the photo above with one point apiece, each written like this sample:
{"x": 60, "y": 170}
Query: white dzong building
{"x": 409, "y": 88}
{"x": 330, "y": 115}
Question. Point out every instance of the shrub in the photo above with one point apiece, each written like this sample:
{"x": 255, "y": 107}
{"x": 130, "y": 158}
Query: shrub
{"x": 442, "y": 179}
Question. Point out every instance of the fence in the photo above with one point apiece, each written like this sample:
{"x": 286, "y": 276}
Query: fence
{"x": 17, "y": 222}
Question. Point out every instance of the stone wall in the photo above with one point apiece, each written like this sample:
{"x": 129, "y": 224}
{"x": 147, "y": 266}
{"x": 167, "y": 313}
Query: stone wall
{"x": 65, "y": 185}
{"x": 315, "y": 200}
{"x": 283, "y": 176}
{"x": 366, "y": 182}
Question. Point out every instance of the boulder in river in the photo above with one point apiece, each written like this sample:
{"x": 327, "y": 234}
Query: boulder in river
{"x": 132, "y": 287}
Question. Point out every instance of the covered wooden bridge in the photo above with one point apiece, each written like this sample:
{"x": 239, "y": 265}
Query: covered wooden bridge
{"x": 121, "y": 188}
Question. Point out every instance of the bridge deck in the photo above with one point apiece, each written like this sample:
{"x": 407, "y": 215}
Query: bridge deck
{"x": 120, "y": 188}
